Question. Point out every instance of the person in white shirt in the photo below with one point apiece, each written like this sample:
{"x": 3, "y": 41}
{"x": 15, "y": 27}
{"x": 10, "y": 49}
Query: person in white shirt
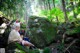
{"x": 14, "y": 36}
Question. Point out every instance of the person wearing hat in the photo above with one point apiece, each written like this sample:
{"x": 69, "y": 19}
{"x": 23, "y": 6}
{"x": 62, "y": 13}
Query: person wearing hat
{"x": 14, "y": 36}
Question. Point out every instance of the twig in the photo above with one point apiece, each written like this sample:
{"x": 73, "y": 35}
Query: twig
{"x": 63, "y": 37}
{"x": 70, "y": 44}
{"x": 68, "y": 51}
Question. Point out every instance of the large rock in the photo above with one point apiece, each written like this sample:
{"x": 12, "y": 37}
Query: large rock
{"x": 41, "y": 31}
{"x": 4, "y": 32}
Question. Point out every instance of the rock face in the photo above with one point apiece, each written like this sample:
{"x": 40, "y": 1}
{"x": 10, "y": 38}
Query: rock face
{"x": 2, "y": 50}
{"x": 41, "y": 31}
{"x": 4, "y": 30}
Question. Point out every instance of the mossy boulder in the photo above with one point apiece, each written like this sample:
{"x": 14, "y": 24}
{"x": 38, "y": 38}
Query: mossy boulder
{"x": 41, "y": 31}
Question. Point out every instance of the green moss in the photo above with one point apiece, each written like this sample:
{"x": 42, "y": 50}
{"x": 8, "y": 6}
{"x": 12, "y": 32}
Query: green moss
{"x": 42, "y": 31}
{"x": 47, "y": 50}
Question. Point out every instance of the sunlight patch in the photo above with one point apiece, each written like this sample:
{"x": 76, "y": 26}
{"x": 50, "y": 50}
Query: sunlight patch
{"x": 78, "y": 16}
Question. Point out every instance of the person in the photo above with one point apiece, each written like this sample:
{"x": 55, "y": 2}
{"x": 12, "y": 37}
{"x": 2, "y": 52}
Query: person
{"x": 22, "y": 33}
{"x": 14, "y": 36}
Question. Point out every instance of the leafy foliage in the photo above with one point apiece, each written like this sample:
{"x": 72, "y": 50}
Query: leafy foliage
{"x": 47, "y": 50}
{"x": 51, "y": 14}
{"x": 12, "y": 7}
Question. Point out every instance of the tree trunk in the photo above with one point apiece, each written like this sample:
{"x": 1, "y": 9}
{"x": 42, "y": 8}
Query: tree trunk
{"x": 73, "y": 8}
{"x": 49, "y": 5}
{"x": 64, "y": 9}
{"x": 44, "y": 3}
{"x": 54, "y": 3}
{"x": 56, "y": 16}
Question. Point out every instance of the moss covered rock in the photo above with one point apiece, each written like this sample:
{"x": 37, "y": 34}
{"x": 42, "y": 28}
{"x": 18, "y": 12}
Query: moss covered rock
{"x": 41, "y": 31}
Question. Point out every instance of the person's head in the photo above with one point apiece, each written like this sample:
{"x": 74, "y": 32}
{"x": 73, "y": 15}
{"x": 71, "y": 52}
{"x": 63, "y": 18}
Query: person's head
{"x": 17, "y": 26}
{"x": 22, "y": 33}
{"x": 17, "y": 20}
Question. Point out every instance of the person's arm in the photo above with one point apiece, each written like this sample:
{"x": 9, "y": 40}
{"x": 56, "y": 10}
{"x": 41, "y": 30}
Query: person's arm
{"x": 26, "y": 43}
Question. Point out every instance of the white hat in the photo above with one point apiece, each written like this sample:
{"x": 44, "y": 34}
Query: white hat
{"x": 16, "y": 25}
